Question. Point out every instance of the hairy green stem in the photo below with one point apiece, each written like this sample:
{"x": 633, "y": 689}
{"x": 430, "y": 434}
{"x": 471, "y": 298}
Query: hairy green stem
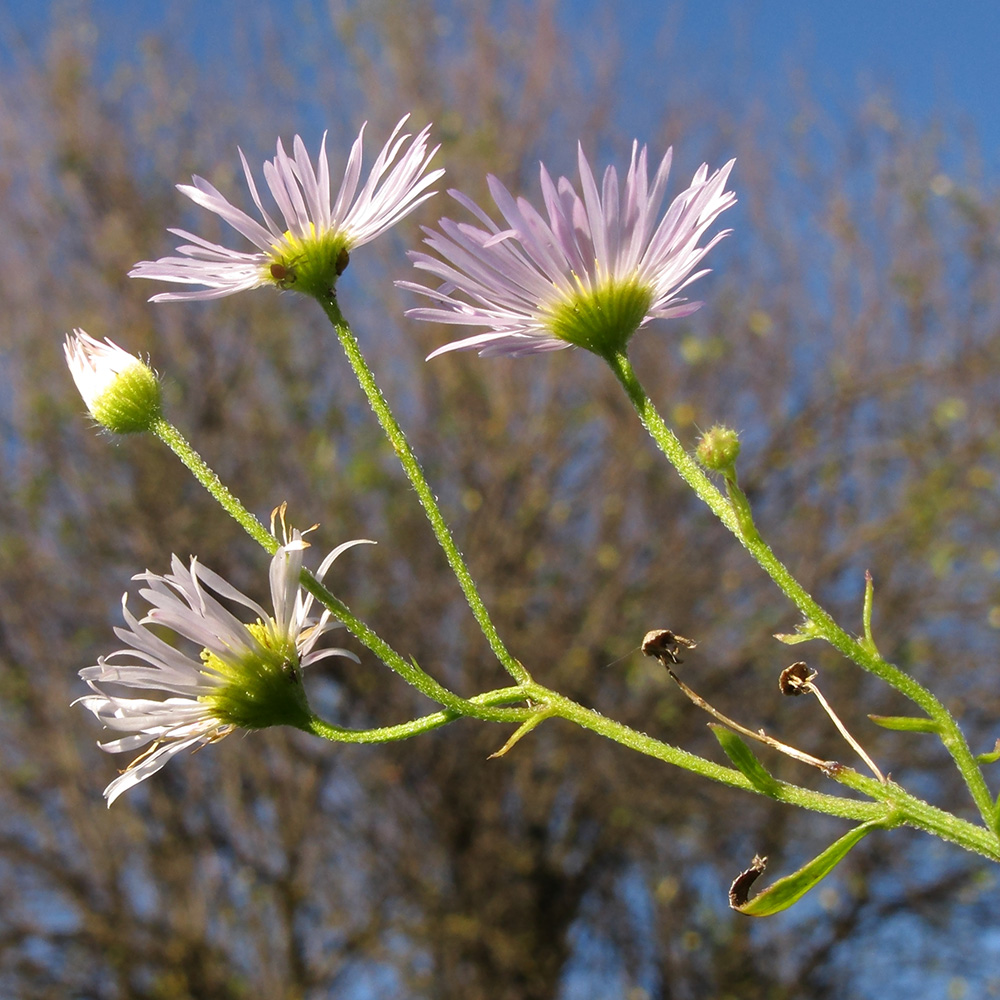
{"x": 404, "y": 730}
{"x": 411, "y": 466}
{"x": 409, "y": 671}
{"x": 860, "y": 653}
{"x": 179, "y": 445}
{"x": 892, "y": 805}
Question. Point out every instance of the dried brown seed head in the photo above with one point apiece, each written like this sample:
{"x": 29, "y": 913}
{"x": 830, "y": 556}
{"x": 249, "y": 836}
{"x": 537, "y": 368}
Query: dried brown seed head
{"x": 664, "y": 644}
{"x": 794, "y": 680}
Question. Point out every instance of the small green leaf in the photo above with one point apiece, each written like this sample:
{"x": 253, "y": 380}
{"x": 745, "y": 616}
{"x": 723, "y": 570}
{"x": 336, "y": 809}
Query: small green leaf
{"x": 792, "y": 888}
{"x": 522, "y": 730}
{"x": 868, "y": 642}
{"x": 989, "y": 758}
{"x": 744, "y": 758}
{"x": 803, "y": 633}
{"x": 905, "y": 723}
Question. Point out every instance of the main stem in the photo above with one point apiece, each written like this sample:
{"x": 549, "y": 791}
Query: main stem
{"x": 411, "y": 466}
{"x": 951, "y": 736}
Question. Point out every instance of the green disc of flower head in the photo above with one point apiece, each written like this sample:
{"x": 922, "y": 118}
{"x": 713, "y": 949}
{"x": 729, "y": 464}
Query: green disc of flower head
{"x": 604, "y": 319}
{"x": 131, "y": 403}
{"x": 309, "y": 265}
{"x": 263, "y": 689}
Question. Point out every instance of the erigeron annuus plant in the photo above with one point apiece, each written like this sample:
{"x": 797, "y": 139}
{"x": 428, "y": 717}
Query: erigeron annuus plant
{"x": 600, "y": 262}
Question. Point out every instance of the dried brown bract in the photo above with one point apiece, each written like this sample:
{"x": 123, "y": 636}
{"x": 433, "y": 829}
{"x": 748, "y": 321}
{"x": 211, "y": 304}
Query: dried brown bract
{"x": 739, "y": 891}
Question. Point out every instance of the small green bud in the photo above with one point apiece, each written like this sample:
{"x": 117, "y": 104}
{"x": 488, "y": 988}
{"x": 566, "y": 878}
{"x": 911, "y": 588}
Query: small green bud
{"x": 718, "y": 450}
{"x": 121, "y": 391}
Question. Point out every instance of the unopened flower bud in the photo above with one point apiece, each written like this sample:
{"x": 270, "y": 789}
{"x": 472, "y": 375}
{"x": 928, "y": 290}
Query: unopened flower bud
{"x": 121, "y": 391}
{"x": 718, "y": 449}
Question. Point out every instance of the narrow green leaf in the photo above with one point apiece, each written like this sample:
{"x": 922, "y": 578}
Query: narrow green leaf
{"x": 905, "y": 723}
{"x": 866, "y": 615}
{"x": 989, "y": 758}
{"x": 803, "y": 633}
{"x": 792, "y": 888}
{"x": 522, "y": 730}
{"x": 744, "y": 758}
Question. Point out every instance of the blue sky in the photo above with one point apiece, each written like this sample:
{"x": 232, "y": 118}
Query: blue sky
{"x": 931, "y": 55}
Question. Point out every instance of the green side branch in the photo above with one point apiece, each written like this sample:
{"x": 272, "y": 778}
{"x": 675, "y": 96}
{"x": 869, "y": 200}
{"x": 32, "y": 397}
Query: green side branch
{"x": 201, "y": 471}
{"x": 408, "y": 670}
{"x": 860, "y": 653}
{"x": 406, "y": 730}
{"x": 891, "y": 804}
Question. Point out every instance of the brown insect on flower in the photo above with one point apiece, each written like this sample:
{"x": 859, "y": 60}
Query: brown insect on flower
{"x": 282, "y": 274}
{"x": 664, "y": 644}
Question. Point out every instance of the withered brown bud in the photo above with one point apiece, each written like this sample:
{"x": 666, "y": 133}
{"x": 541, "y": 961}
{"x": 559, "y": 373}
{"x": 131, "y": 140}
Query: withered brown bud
{"x": 794, "y": 680}
{"x": 664, "y": 644}
{"x": 739, "y": 891}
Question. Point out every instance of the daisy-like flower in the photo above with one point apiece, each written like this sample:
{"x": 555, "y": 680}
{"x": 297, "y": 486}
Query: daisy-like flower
{"x": 246, "y": 676}
{"x": 121, "y": 391}
{"x": 596, "y": 270}
{"x": 311, "y": 249}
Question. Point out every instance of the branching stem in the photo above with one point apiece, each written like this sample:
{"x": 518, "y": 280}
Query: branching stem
{"x": 408, "y": 670}
{"x": 860, "y": 652}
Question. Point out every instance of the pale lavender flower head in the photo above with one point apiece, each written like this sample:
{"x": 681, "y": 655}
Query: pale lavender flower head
{"x": 311, "y": 248}
{"x": 596, "y": 270}
{"x": 238, "y": 676}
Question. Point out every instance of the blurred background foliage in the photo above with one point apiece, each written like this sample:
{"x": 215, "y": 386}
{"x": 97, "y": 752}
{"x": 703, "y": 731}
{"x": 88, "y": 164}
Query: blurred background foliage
{"x": 850, "y": 332}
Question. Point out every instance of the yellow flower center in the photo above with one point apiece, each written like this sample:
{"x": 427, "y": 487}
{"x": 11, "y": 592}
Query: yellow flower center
{"x": 309, "y": 264}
